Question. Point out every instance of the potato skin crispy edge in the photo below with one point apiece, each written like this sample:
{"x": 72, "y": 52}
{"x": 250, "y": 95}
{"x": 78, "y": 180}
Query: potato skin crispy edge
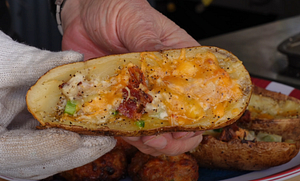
{"x": 243, "y": 155}
{"x": 110, "y": 132}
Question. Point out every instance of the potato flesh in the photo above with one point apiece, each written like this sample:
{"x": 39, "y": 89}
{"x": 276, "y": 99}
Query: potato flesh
{"x": 187, "y": 89}
{"x": 42, "y": 99}
{"x": 263, "y": 107}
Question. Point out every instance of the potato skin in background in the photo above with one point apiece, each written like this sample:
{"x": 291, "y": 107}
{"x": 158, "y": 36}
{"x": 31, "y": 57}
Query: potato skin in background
{"x": 239, "y": 154}
{"x": 273, "y": 113}
{"x": 268, "y": 112}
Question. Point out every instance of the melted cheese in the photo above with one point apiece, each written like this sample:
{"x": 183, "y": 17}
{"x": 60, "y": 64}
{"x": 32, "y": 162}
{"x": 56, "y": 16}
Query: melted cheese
{"x": 184, "y": 90}
{"x": 191, "y": 86}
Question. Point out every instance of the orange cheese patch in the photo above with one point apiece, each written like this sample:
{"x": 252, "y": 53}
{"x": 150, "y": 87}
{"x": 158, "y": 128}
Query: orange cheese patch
{"x": 192, "y": 85}
{"x": 186, "y": 89}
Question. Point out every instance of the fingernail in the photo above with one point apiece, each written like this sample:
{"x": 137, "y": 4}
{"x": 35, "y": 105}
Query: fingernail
{"x": 132, "y": 138}
{"x": 181, "y": 135}
{"x": 157, "y": 142}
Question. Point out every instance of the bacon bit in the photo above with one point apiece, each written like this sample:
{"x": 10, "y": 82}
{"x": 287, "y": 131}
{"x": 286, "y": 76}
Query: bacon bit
{"x": 245, "y": 118}
{"x": 228, "y": 133}
{"x": 135, "y": 99}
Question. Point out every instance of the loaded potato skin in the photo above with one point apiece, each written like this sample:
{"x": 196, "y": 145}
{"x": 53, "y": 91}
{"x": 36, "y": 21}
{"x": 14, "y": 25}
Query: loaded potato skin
{"x": 266, "y": 135}
{"x": 143, "y": 93}
{"x": 273, "y": 113}
{"x": 238, "y": 154}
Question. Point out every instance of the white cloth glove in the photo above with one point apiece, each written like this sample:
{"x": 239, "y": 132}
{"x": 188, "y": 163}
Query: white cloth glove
{"x": 25, "y": 152}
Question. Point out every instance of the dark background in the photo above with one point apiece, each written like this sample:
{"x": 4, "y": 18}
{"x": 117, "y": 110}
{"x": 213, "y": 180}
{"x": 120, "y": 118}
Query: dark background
{"x": 31, "y": 22}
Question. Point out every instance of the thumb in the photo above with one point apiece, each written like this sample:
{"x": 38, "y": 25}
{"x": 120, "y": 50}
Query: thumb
{"x": 151, "y": 44}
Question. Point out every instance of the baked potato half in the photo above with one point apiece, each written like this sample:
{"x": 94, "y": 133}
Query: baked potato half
{"x": 247, "y": 145}
{"x": 147, "y": 93}
{"x": 273, "y": 113}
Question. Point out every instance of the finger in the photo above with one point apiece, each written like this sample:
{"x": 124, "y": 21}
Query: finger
{"x": 185, "y": 135}
{"x": 157, "y": 142}
{"x": 182, "y": 135}
{"x": 176, "y": 147}
{"x": 139, "y": 144}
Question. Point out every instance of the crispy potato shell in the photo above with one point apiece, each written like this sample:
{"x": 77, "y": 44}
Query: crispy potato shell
{"x": 243, "y": 155}
{"x": 42, "y": 98}
{"x": 273, "y": 113}
{"x": 270, "y": 112}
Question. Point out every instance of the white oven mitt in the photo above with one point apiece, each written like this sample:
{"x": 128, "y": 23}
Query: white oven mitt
{"x": 25, "y": 152}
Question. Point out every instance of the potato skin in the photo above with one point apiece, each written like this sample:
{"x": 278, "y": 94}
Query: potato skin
{"x": 163, "y": 168}
{"x": 242, "y": 155}
{"x": 285, "y": 124}
{"x": 268, "y": 112}
{"x": 42, "y": 98}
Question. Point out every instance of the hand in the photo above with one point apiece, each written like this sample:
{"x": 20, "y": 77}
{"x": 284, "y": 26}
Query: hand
{"x": 168, "y": 143}
{"x": 24, "y": 151}
{"x": 103, "y": 27}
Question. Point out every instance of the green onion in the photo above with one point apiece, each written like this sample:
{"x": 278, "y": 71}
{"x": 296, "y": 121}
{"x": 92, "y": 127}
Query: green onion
{"x": 268, "y": 137}
{"x": 140, "y": 123}
{"x": 115, "y": 113}
{"x": 218, "y": 130}
{"x": 70, "y": 107}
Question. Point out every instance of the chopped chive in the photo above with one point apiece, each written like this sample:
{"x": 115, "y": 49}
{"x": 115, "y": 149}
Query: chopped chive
{"x": 70, "y": 107}
{"x": 140, "y": 123}
{"x": 115, "y": 113}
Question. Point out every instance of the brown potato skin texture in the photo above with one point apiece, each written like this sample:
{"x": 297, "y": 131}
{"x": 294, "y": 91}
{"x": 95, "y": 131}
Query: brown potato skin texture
{"x": 163, "y": 168}
{"x": 242, "y": 155}
{"x": 110, "y": 132}
{"x": 288, "y": 128}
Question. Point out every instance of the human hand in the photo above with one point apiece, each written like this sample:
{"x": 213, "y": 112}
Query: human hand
{"x": 170, "y": 144}
{"x": 103, "y": 27}
{"x": 24, "y": 151}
